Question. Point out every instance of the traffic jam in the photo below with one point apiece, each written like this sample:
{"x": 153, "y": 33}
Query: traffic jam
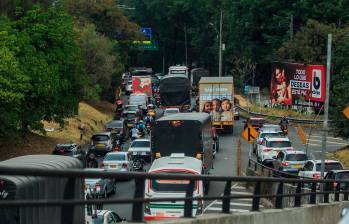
{"x": 149, "y": 133}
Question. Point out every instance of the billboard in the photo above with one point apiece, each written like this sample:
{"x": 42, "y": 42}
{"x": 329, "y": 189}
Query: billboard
{"x": 216, "y": 99}
{"x": 141, "y": 84}
{"x": 295, "y": 84}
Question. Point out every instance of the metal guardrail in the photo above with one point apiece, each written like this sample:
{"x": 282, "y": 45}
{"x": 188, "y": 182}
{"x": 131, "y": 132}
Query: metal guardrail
{"x": 294, "y": 120}
{"x": 138, "y": 200}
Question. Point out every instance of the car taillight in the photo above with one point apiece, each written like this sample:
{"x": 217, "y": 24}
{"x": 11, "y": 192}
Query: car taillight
{"x": 124, "y": 165}
{"x": 98, "y": 186}
{"x": 266, "y": 149}
{"x": 284, "y": 163}
{"x": 335, "y": 184}
{"x": 316, "y": 175}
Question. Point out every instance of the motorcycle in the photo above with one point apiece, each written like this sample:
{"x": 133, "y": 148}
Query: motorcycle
{"x": 138, "y": 165}
{"x": 284, "y": 129}
{"x": 91, "y": 161}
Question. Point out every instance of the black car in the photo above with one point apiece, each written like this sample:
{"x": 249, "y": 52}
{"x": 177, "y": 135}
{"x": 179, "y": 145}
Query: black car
{"x": 130, "y": 118}
{"x": 118, "y": 129}
{"x": 72, "y": 150}
{"x": 338, "y": 175}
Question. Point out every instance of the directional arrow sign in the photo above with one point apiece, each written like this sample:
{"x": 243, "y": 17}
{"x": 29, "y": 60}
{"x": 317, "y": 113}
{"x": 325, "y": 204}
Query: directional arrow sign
{"x": 346, "y": 112}
{"x": 249, "y": 134}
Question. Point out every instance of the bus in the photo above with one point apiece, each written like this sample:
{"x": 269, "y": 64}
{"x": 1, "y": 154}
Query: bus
{"x": 42, "y": 188}
{"x": 176, "y": 163}
{"x": 188, "y": 133}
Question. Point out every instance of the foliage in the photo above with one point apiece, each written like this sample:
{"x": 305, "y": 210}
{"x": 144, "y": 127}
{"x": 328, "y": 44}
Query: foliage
{"x": 43, "y": 56}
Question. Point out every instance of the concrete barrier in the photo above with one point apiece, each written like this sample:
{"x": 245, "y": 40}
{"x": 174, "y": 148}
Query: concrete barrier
{"x": 308, "y": 214}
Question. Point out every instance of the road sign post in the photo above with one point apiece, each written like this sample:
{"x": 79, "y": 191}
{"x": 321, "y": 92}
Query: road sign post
{"x": 238, "y": 158}
{"x": 249, "y": 134}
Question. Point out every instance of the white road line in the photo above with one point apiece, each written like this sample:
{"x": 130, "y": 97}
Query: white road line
{"x": 314, "y": 144}
{"x": 240, "y": 192}
{"x": 239, "y": 187}
{"x": 320, "y": 136}
{"x": 232, "y": 209}
{"x": 320, "y": 140}
{"x": 212, "y": 203}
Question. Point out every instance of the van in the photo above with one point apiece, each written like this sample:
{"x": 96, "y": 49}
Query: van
{"x": 139, "y": 99}
{"x": 177, "y": 163}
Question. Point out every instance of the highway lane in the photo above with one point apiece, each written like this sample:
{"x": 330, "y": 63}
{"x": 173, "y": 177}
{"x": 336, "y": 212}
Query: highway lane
{"x": 225, "y": 164}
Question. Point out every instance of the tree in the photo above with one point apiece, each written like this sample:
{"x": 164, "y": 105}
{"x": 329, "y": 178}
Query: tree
{"x": 310, "y": 46}
{"x": 100, "y": 61}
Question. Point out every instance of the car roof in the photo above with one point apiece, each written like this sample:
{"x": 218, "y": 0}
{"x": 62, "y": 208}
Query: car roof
{"x": 294, "y": 152}
{"x": 326, "y": 161}
{"x": 257, "y": 118}
{"x": 67, "y": 144}
{"x": 177, "y": 161}
{"x": 171, "y": 109}
{"x": 112, "y": 122}
{"x": 168, "y": 76}
{"x": 202, "y": 117}
{"x": 117, "y": 153}
{"x": 272, "y": 138}
{"x": 141, "y": 140}
{"x": 130, "y": 112}
{"x": 102, "y": 133}
{"x": 339, "y": 171}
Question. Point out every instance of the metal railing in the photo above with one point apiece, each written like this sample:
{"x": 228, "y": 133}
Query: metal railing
{"x": 138, "y": 200}
{"x": 291, "y": 119}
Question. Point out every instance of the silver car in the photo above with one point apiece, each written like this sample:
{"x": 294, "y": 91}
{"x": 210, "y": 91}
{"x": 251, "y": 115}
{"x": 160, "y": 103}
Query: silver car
{"x": 99, "y": 187}
{"x": 117, "y": 161}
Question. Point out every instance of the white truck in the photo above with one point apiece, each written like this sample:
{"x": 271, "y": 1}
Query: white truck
{"x": 175, "y": 70}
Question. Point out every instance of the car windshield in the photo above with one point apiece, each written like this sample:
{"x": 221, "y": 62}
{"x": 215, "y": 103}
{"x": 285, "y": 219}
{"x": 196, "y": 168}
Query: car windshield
{"x": 114, "y": 125}
{"x": 329, "y": 166}
{"x": 140, "y": 144}
{"x": 279, "y": 144}
{"x": 171, "y": 185}
{"x": 130, "y": 116}
{"x": 131, "y": 107}
{"x": 99, "y": 138}
{"x": 117, "y": 157}
{"x": 264, "y": 135}
{"x": 171, "y": 111}
{"x": 296, "y": 157}
{"x": 342, "y": 176}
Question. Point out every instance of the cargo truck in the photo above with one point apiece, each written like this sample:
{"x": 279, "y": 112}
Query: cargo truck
{"x": 216, "y": 97}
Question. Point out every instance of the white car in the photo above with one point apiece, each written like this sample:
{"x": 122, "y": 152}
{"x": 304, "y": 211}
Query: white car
{"x": 270, "y": 147}
{"x": 140, "y": 148}
{"x": 264, "y": 134}
{"x": 312, "y": 168}
{"x": 270, "y": 128}
{"x": 117, "y": 161}
{"x": 169, "y": 111}
{"x": 103, "y": 217}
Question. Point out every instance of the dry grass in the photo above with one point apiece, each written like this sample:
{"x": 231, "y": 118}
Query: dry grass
{"x": 342, "y": 155}
{"x": 91, "y": 114}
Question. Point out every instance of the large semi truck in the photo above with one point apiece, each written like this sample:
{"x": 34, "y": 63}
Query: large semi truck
{"x": 175, "y": 92}
{"x": 216, "y": 97}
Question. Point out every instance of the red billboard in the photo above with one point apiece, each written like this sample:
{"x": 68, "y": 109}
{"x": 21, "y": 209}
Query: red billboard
{"x": 295, "y": 84}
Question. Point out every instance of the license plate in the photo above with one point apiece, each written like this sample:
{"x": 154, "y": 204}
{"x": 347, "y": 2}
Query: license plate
{"x": 100, "y": 145}
{"x": 113, "y": 166}
{"x": 297, "y": 166}
{"x": 143, "y": 153}
{"x": 129, "y": 125}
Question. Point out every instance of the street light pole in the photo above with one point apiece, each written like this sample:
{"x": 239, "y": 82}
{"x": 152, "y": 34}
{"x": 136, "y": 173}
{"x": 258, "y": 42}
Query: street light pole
{"x": 325, "y": 127}
{"x": 220, "y": 44}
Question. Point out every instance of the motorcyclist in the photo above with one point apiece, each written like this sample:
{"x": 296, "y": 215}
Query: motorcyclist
{"x": 148, "y": 119}
{"x": 141, "y": 126}
{"x": 91, "y": 161}
{"x": 134, "y": 133}
{"x": 283, "y": 123}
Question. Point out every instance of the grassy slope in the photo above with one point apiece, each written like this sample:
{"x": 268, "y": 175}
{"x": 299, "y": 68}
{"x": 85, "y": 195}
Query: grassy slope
{"x": 92, "y": 114}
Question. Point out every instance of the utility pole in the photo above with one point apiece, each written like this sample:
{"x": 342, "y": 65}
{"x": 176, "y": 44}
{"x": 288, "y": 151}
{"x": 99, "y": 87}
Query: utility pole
{"x": 220, "y": 44}
{"x": 186, "y": 45}
{"x": 291, "y": 28}
{"x": 325, "y": 127}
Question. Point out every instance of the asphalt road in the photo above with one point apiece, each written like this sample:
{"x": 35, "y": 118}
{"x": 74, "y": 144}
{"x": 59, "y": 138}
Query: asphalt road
{"x": 226, "y": 164}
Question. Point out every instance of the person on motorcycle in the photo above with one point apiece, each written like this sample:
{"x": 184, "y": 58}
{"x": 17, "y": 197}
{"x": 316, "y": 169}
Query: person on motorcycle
{"x": 134, "y": 133}
{"x": 91, "y": 161}
{"x": 283, "y": 124}
{"x": 141, "y": 127}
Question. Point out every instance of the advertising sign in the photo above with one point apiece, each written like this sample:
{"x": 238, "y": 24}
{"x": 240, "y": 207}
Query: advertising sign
{"x": 216, "y": 99}
{"x": 297, "y": 84}
{"x": 141, "y": 84}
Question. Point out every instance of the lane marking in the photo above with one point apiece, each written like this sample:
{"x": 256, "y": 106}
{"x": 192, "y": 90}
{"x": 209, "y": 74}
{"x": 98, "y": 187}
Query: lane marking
{"x": 213, "y": 202}
{"x": 238, "y": 204}
{"x": 240, "y": 192}
{"x": 338, "y": 143}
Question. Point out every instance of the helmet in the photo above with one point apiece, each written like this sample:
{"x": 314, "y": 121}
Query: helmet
{"x": 92, "y": 156}
{"x": 141, "y": 121}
